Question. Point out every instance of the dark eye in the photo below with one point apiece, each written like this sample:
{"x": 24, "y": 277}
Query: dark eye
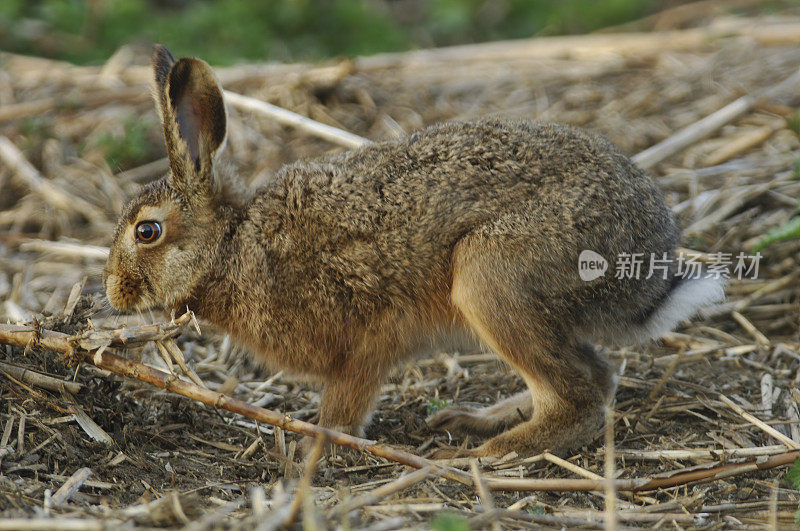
{"x": 148, "y": 231}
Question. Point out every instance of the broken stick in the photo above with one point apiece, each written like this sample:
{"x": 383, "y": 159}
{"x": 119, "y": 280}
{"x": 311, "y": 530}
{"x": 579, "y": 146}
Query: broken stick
{"x": 298, "y": 121}
{"x": 704, "y": 127}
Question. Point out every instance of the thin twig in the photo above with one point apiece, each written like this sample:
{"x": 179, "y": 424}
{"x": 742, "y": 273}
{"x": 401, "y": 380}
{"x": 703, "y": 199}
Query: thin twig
{"x": 484, "y": 493}
{"x": 71, "y": 486}
{"x": 610, "y": 521}
{"x": 685, "y": 477}
{"x": 305, "y": 482}
{"x": 56, "y": 524}
{"x": 38, "y": 379}
{"x": 13, "y": 157}
{"x": 704, "y": 127}
{"x": 70, "y": 249}
{"x": 563, "y": 463}
{"x": 759, "y": 423}
{"x": 298, "y": 121}
{"x": 701, "y": 453}
{"x": 384, "y": 491}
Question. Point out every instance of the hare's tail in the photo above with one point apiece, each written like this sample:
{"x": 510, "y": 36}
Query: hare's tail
{"x": 683, "y": 301}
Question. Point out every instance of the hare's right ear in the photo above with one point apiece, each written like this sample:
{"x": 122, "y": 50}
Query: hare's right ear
{"x": 192, "y": 110}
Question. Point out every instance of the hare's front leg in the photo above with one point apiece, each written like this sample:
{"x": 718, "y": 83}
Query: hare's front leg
{"x": 347, "y": 400}
{"x": 349, "y": 395}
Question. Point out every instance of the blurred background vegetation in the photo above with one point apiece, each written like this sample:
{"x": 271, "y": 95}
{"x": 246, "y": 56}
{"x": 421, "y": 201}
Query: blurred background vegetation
{"x": 227, "y": 31}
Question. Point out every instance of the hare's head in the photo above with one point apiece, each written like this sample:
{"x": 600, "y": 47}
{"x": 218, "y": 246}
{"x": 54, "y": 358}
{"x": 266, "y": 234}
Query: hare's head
{"x": 167, "y": 237}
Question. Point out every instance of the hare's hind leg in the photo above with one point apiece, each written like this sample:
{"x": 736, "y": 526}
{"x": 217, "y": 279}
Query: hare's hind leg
{"x": 569, "y": 382}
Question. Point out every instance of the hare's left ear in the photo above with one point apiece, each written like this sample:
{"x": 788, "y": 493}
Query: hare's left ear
{"x": 193, "y": 113}
{"x": 162, "y": 64}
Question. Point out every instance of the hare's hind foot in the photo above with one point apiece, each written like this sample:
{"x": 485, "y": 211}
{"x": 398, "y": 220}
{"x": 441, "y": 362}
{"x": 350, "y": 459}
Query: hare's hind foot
{"x": 557, "y": 429}
{"x": 556, "y": 432}
{"x": 486, "y": 421}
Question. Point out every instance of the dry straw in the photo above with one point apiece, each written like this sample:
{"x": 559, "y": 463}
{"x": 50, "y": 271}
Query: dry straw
{"x": 704, "y": 422}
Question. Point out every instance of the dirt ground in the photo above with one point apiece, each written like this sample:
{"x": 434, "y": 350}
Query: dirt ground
{"x": 173, "y": 462}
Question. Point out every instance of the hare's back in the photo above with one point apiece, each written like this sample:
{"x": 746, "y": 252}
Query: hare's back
{"x": 441, "y": 181}
{"x": 386, "y": 218}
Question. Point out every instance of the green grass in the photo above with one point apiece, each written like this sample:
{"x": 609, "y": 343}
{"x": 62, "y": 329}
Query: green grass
{"x": 128, "y": 150}
{"x": 789, "y": 230}
{"x": 434, "y": 405}
{"x": 794, "y": 122}
{"x": 445, "y": 521}
{"x": 793, "y": 478}
{"x": 227, "y": 31}
{"x": 35, "y": 130}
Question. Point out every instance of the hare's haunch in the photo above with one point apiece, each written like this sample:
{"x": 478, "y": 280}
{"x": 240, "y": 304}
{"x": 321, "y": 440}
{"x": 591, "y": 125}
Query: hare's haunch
{"x": 343, "y": 267}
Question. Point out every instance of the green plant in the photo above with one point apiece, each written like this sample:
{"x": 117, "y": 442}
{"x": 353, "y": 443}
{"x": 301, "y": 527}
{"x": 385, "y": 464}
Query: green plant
{"x": 793, "y": 122}
{"x": 35, "y": 129}
{"x": 434, "y": 405}
{"x": 788, "y": 231}
{"x": 793, "y": 477}
{"x": 445, "y": 521}
{"x": 538, "y": 510}
{"x": 791, "y": 229}
{"x": 227, "y": 31}
{"x": 129, "y": 149}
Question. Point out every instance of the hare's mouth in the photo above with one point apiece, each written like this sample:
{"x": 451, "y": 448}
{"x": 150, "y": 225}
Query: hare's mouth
{"x": 126, "y": 293}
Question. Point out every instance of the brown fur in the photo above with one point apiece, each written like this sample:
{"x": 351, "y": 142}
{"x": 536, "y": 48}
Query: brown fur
{"x": 346, "y": 266}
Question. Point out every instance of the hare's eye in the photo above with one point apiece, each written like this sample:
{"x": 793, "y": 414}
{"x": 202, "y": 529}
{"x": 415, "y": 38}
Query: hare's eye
{"x": 148, "y": 231}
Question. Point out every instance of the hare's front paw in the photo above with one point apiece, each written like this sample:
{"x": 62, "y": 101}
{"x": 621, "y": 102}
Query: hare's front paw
{"x": 481, "y": 422}
{"x": 451, "y": 419}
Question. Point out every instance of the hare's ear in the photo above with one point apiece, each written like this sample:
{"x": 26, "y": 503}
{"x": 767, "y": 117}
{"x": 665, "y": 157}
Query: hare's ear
{"x": 162, "y": 64}
{"x": 193, "y": 114}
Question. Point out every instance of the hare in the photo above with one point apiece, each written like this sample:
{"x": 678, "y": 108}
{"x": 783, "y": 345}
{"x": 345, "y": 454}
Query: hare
{"x": 344, "y": 267}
